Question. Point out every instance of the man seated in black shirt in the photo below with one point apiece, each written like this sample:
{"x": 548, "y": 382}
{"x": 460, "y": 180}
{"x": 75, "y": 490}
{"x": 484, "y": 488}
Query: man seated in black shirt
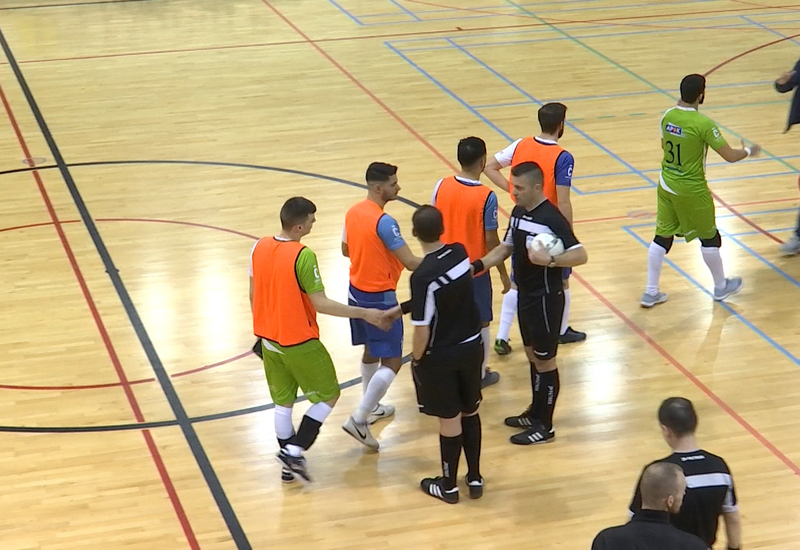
{"x": 447, "y": 354}
{"x": 709, "y": 485}
{"x": 663, "y": 486}
{"x": 541, "y": 294}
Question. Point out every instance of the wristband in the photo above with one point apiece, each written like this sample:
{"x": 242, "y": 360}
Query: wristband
{"x": 747, "y": 150}
{"x": 477, "y": 265}
{"x": 405, "y": 307}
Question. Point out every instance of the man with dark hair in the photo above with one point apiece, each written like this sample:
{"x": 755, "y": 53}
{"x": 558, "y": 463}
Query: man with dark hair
{"x": 685, "y": 205}
{"x": 786, "y": 83}
{"x": 710, "y": 491}
{"x": 557, "y": 165}
{"x": 663, "y": 487}
{"x": 447, "y": 354}
{"x": 541, "y": 294}
{"x": 377, "y": 253}
{"x": 286, "y": 292}
{"x": 469, "y": 209}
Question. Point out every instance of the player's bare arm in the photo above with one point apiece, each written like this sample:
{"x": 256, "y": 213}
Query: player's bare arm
{"x": 735, "y": 155}
{"x": 492, "y": 171}
{"x": 407, "y": 258}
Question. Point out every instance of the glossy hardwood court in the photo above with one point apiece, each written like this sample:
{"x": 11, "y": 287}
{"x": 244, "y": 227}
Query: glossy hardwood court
{"x": 165, "y": 135}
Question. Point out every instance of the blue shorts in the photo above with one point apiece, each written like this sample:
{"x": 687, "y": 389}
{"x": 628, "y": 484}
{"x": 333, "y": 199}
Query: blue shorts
{"x": 482, "y": 290}
{"x": 380, "y": 344}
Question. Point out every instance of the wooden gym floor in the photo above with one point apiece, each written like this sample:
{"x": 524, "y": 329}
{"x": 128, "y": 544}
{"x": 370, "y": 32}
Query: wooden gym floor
{"x": 167, "y": 133}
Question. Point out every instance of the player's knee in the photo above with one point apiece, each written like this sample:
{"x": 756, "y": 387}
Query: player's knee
{"x": 713, "y": 242}
{"x": 664, "y": 242}
{"x": 546, "y": 365}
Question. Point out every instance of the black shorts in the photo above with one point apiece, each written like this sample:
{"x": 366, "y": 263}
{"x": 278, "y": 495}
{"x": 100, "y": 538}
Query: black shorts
{"x": 448, "y": 380}
{"x": 540, "y": 323}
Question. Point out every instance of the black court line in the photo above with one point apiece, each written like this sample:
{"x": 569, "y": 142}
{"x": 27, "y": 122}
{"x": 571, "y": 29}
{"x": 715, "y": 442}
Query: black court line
{"x": 72, "y": 4}
{"x": 203, "y": 163}
{"x": 213, "y": 482}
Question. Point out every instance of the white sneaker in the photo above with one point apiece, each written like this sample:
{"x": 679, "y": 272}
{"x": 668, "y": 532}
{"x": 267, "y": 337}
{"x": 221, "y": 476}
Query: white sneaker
{"x": 360, "y": 433}
{"x": 732, "y": 286}
{"x": 380, "y": 412}
{"x": 650, "y": 300}
{"x": 791, "y": 247}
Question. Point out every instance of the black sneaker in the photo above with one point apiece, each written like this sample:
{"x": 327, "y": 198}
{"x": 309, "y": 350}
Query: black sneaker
{"x": 287, "y": 476}
{"x": 523, "y": 420}
{"x": 475, "y": 487}
{"x": 571, "y": 336}
{"x": 257, "y": 349}
{"x": 535, "y": 435}
{"x": 433, "y": 487}
{"x": 502, "y": 347}
{"x": 295, "y": 464}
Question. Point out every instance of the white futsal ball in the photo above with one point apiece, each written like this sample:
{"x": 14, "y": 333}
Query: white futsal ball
{"x": 547, "y": 242}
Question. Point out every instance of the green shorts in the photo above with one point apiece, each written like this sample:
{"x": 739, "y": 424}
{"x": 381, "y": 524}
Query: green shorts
{"x": 305, "y": 365}
{"x": 693, "y": 217}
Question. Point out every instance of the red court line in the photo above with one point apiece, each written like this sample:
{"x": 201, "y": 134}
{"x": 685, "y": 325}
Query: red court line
{"x": 154, "y": 452}
{"x": 751, "y": 50}
{"x": 684, "y": 371}
{"x": 363, "y": 88}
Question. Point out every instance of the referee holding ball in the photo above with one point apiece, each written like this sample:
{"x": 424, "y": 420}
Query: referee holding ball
{"x": 541, "y": 293}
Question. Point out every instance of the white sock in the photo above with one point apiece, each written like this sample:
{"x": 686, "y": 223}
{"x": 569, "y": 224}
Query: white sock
{"x": 378, "y": 386}
{"x": 294, "y": 450}
{"x": 713, "y": 260}
{"x": 507, "y": 313}
{"x": 565, "y": 315}
{"x": 367, "y": 372}
{"x": 655, "y": 258}
{"x": 486, "y": 335}
{"x": 283, "y": 422}
{"x": 319, "y": 412}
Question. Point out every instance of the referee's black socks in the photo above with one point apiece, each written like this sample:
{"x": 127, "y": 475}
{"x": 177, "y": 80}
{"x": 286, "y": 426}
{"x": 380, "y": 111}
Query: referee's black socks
{"x": 535, "y": 383}
{"x": 451, "y": 454}
{"x": 471, "y": 432}
{"x": 307, "y": 433}
{"x": 546, "y": 397}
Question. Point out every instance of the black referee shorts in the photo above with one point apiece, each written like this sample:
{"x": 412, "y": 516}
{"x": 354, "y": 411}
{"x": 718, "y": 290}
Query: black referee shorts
{"x": 448, "y": 380}
{"x": 540, "y": 323}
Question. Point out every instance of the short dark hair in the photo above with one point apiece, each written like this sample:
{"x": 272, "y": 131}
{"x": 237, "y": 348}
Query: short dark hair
{"x": 692, "y": 87}
{"x": 659, "y": 481}
{"x": 551, "y": 115}
{"x": 380, "y": 172}
{"x": 678, "y": 414}
{"x": 295, "y": 211}
{"x": 428, "y": 223}
{"x": 529, "y": 171}
{"x": 470, "y": 151}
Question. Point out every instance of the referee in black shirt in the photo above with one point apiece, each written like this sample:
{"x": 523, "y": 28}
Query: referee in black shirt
{"x": 709, "y": 485}
{"x": 447, "y": 354}
{"x": 541, "y": 294}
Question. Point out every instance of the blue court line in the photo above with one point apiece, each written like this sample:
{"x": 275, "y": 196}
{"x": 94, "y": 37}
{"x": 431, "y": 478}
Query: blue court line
{"x": 765, "y": 261}
{"x": 616, "y": 95}
{"x": 355, "y": 19}
{"x": 552, "y": 28}
{"x": 574, "y": 128}
{"x": 724, "y": 216}
{"x": 563, "y": 39}
{"x": 532, "y": 4}
{"x": 754, "y": 232}
{"x": 724, "y": 305}
{"x": 462, "y": 15}
{"x": 492, "y": 125}
{"x": 656, "y": 170}
{"x": 768, "y": 29}
{"x": 638, "y": 77}
{"x": 405, "y": 10}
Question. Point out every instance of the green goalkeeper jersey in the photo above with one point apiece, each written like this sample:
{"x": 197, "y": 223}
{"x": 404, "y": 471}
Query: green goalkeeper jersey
{"x": 685, "y": 138}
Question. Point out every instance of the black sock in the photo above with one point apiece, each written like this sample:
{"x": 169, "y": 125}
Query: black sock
{"x": 282, "y": 443}
{"x": 308, "y": 432}
{"x": 451, "y": 454}
{"x": 535, "y": 383}
{"x": 548, "y": 394}
{"x": 471, "y": 434}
